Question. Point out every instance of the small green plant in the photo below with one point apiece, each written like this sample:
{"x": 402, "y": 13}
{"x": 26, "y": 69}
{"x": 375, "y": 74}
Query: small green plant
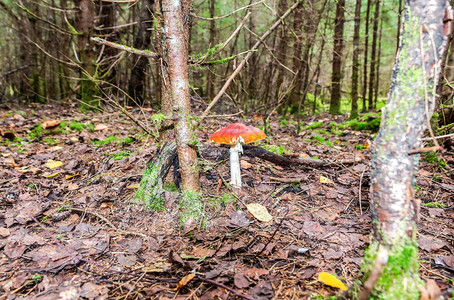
{"x": 431, "y": 157}
{"x": 434, "y": 204}
{"x": 315, "y": 125}
{"x": 51, "y": 141}
{"x": 276, "y": 149}
{"x": 37, "y": 132}
{"x": 107, "y": 140}
{"x": 121, "y": 155}
{"x": 77, "y": 126}
{"x": 359, "y": 147}
{"x": 319, "y": 139}
{"x": 36, "y": 278}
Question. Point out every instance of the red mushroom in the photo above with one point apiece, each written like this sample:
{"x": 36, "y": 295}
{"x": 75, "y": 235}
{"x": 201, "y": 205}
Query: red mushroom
{"x": 236, "y": 134}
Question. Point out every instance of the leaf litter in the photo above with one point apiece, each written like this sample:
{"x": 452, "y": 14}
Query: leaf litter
{"x": 81, "y": 234}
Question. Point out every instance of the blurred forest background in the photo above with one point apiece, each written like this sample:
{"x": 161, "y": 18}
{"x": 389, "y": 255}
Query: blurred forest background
{"x": 328, "y": 55}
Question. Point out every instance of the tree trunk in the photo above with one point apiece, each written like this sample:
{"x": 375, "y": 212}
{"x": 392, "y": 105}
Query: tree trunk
{"x": 85, "y": 27}
{"x": 106, "y": 22}
{"x": 212, "y": 39}
{"x": 281, "y": 50}
{"x": 373, "y": 56}
{"x": 366, "y": 52}
{"x": 377, "y": 64}
{"x": 141, "y": 63}
{"x": 355, "y": 61}
{"x": 393, "y": 254}
{"x": 176, "y": 47}
{"x": 294, "y": 98}
{"x": 336, "y": 76}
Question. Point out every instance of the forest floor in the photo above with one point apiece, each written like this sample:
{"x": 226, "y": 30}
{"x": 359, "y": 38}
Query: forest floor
{"x": 70, "y": 227}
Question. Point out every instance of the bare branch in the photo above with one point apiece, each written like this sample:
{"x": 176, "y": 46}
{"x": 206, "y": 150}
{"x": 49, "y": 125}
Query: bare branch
{"x": 227, "y": 15}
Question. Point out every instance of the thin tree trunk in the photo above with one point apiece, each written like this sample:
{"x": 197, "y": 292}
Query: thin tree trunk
{"x": 392, "y": 256}
{"x": 140, "y": 63}
{"x": 84, "y": 25}
{"x": 399, "y": 17}
{"x": 373, "y": 56}
{"x": 281, "y": 49}
{"x": 336, "y": 77}
{"x": 366, "y": 52}
{"x": 212, "y": 39}
{"x": 176, "y": 47}
{"x": 355, "y": 61}
{"x": 294, "y": 98}
{"x": 377, "y": 64}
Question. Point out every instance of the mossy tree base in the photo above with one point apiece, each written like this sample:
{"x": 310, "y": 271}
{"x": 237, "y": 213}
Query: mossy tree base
{"x": 151, "y": 186}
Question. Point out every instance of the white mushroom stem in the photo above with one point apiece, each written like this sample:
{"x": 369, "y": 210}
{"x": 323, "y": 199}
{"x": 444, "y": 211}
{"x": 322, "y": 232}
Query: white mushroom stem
{"x": 235, "y": 171}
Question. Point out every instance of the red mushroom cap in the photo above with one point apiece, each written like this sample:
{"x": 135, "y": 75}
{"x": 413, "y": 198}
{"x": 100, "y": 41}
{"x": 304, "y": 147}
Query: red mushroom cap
{"x": 229, "y": 134}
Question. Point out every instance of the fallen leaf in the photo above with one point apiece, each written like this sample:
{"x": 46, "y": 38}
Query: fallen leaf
{"x": 100, "y": 127}
{"x": 331, "y": 280}
{"x": 259, "y": 212}
{"x": 51, "y": 164}
{"x": 72, "y": 176}
{"x": 241, "y": 281}
{"x": 47, "y": 175}
{"x": 185, "y": 280}
{"x": 325, "y": 180}
{"x": 245, "y": 165}
{"x": 50, "y": 124}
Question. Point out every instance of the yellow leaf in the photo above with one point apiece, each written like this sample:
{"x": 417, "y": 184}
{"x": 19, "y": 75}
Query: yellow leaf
{"x": 72, "y": 176}
{"x": 325, "y": 180}
{"x": 52, "y": 175}
{"x": 259, "y": 212}
{"x": 133, "y": 186}
{"x": 53, "y": 164}
{"x": 331, "y": 280}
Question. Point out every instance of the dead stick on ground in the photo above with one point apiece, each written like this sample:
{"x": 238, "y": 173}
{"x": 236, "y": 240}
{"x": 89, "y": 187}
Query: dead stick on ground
{"x": 243, "y": 62}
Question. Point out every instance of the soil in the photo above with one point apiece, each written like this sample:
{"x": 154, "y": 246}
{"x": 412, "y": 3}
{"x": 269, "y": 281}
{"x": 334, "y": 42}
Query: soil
{"x": 70, "y": 227}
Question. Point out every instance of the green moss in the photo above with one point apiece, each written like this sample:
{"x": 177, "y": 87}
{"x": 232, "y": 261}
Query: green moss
{"x": 151, "y": 189}
{"x": 191, "y": 206}
{"x": 121, "y": 155}
{"x": 400, "y": 277}
{"x": 51, "y": 141}
{"x": 431, "y": 157}
{"x": 315, "y": 125}
{"x": 37, "y": 132}
{"x": 276, "y": 149}
{"x": 434, "y": 204}
{"x": 77, "y": 126}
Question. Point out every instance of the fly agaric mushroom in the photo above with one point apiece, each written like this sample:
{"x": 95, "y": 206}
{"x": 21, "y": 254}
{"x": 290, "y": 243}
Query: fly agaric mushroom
{"x": 236, "y": 134}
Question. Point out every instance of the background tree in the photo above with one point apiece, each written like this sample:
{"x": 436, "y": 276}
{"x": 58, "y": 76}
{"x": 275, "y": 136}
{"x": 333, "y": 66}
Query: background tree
{"x": 355, "y": 61}
{"x": 336, "y": 76}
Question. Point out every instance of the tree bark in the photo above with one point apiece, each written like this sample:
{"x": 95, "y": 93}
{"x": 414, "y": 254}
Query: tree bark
{"x": 212, "y": 39}
{"x": 336, "y": 77}
{"x": 355, "y": 61}
{"x": 177, "y": 57}
{"x": 294, "y": 97}
{"x": 141, "y": 63}
{"x": 281, "y": 50}
{"x": 366, "y": 52}
{"x": 85, "y": 27}
{"x": 373, "y": 56}
{"x": 393, "y": 254}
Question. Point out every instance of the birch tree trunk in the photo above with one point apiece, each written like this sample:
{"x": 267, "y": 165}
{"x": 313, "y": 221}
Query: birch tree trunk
{"x": 177, "y": 57}
{"x": 391, "y": 262}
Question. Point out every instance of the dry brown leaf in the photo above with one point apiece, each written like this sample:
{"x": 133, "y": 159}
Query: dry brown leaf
{"x": 185, "y": 280}
{"x": 50, "y": 124}
{"x": 100, "y": 127}
{"x": 245, "y": 165}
